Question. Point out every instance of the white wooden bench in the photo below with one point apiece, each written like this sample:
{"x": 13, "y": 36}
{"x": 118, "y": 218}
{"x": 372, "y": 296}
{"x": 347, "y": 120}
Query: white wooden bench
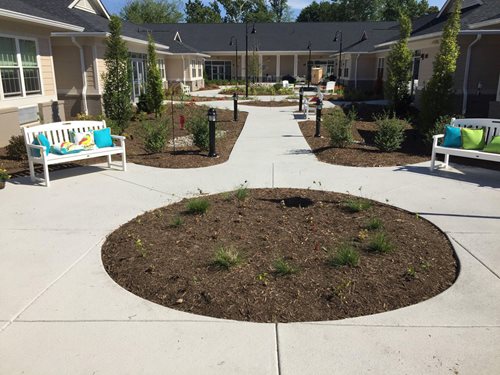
{"x": 59, "y": 132}
{"x": 492, "y": 128}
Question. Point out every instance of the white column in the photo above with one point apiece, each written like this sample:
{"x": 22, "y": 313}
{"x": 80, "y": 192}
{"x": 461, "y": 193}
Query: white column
{"x": 261, "y": 73}
{"x": 278, "y": 67}
{"x": 243, "y": 66}
{"x": 295, "y": 65}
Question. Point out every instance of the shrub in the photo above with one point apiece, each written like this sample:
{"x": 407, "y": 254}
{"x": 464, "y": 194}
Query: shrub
{"x": 339, "y": 127}
{"x": 438, "y": 128}
{"x": 241, "y": 193}
{"x": 154, "y": 84}
{"x": 197, "y": 206}
{"x": 381, "y": 244}
{"x": 390, "y": 133}
{"x": 345, "y": 255}
{"x": 278, "y": 86}
{"x": 357, "y": 204}
{"x": 197, "y": 125}
{"x": 374, "y": 223}
{"x": 155, "y": 136}
{"x": 227, "y": 257}
{"x": 176, "y": 221}
{"x": 283, "y": 268}
{"x": 4, "y": 175}
{"x": 16, "y": 150}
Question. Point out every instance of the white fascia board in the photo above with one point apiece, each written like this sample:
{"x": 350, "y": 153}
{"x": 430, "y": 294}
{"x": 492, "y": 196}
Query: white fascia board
{"x": 99, "y": 3}
{"x": 39, "y": 20}
{"x": 484, "y": 23}
{"x": 190, "y": 54}
{"x": 140, "y": 41}
{"x": 412, "y": 39}
{"x": 479, "y": 32}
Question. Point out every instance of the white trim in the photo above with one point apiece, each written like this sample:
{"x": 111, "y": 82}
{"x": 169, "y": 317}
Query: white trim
{"x": 356, "y": 72}
{"x": 74, "y": 3}
{"x": 498, "y": 89}
{"x": 53, "y": 70}
{"x": 484, "y": 23}
{"x": 97, "y": 80}
{"x": 295, "y": 65}
{"x": 482, "y": 32}
{"x": 445, "y": 5}
{"x": 466, "y": 73}
{"x": 42, "y": 21}
{"x": 412, "y": 39}
{"x": 177, "y": 37}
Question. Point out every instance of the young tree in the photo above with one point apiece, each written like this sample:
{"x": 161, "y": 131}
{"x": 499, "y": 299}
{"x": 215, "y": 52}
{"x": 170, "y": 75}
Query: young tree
{"x": 152, "y": 11}
{"x": 391, "y": 9}
{"x": 437, "y": 96}
{"x": 399, "y": 64}
{"x": 279, "y": 9}
{"x": 197, "y": 12}
{"x": 154, "y": 85}
{"x": 118, "y": 77}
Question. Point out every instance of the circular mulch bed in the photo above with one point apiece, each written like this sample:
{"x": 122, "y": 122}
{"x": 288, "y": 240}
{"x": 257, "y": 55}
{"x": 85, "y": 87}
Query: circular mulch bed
{"x": 284, "y": 243}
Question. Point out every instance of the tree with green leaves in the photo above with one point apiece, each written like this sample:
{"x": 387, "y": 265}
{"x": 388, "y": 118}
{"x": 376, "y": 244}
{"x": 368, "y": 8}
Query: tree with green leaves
{"x": 391, "y": 9}
{"x": 118, "y": 78}
{"x": 324, "y": 11}
{"x": 152, "y": 11}
{"x": 438, "y": 95}
{"x": 399, "y": 64}
{"x": 197, "y": 12}
{"x": 280, "y": 10}
{"x": 154, "y": 84}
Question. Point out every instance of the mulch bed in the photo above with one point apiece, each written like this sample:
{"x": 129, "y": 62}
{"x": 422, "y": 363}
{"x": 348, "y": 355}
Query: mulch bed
{"x": 184, "y": 157}
{"x": 272, "y": 103}
{"x": 172, "y": 263}
{"x": 363, "y": 153}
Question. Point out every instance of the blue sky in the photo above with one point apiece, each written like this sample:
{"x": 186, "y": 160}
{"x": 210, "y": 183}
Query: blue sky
{"x": 114, "y": 6}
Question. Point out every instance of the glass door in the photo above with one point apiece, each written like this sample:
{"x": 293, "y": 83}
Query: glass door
{"x": 138, "y": 79}
{"x": 218, "y": 72}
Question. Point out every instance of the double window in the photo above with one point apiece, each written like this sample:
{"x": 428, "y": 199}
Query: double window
{"x": 161, "y": 68}
{"x": 19, "y": 71}
{"x": 380, "y": 67}
{"x": 345, "y": 64}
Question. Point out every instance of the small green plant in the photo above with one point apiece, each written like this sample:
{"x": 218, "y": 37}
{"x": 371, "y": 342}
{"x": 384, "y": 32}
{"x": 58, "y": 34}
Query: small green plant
{"x": 411, "y": 273}
{"x": 155, "y": 136}
{"x": 345, "y": 255}
{"x": 262, "y": 277}
{"x": 339, "y": 128}
{"x": 227, "y": 257}
{"x": 197, "y": 206}
{"x": 197, "y": 125}
{"x": 390, "y": 134}
{"x": 357, "y": 204}
{"x": 16, "y": 150}
{"x": 374, "y": 223}
{"x": 241, "y": 192}
{"x": 283, "y": 268}
{"x": 380, "y": 244}
{"x": 4, "y": 176}
{"x": 139, "y": 246}
{"x": 176, "y": 221}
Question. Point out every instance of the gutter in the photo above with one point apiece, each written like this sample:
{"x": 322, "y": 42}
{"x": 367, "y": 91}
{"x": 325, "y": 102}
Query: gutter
{"x": 84, "y": 76}
{"x": 39, "y": 20}
{"x": 356, "y": 72}
{"x": 183, "y": 71}
{"x": 103, "y": 34}
{"x": 466, "y": 73}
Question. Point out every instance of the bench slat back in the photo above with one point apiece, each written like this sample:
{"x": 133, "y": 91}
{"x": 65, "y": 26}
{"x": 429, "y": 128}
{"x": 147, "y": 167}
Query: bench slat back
{"x": 491, "y": 125}
{"x": 58, "y": 132}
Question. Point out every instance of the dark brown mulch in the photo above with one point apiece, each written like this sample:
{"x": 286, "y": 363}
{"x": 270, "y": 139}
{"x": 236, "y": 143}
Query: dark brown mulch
{"x": 275, "y": 103}
{"x": 364, "y": 153}
{"x": 184, "y": 157}
{"x": 187, "y": 156}
{"x": 173, "y": 265}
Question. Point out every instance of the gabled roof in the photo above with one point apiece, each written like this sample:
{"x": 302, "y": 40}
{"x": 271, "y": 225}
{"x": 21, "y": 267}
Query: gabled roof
{"x": 172, "y": 38}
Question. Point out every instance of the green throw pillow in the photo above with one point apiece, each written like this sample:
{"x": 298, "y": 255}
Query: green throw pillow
{"x": 494, "y": 145}
{"x": 473, "y": 139}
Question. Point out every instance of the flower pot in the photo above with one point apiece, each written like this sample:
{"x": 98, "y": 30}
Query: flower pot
{"x": 2, "y": 184}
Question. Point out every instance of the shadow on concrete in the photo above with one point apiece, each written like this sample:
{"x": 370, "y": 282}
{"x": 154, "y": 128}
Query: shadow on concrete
{"x": 302, "y": 151}
{"x": 479, "y": 176}
{"x": 58, "y": 174}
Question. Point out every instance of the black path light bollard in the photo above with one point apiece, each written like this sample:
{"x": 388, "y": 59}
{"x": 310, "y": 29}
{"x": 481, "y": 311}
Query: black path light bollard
{"x": 301, "y": 98}
{"x": 319, "y": 107}
{"x": 212, "y": 117}
{"x": 235, "y": 111}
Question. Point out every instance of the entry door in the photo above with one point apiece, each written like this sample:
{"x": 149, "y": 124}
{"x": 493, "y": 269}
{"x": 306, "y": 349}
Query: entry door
{"x": 218, "y": 72}
{"x": 138, "y": 79}
{"x": 414, "y": 75}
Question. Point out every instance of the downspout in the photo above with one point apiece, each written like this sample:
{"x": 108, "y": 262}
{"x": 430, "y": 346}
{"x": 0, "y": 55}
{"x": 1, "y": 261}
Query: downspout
{"x": 356, "y": 72}
{"x": 183, "y": 71}
{"x": 466, "y": 73}
{"x": 84, "y": 76}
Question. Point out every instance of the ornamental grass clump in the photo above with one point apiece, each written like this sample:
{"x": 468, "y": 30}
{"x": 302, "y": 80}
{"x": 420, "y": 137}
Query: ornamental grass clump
{"x": 339, "y": 128}
{"x": 390, "y": 134}
{"x": 283, "y": 268}
{"x": 197, "y": 206}
{"x": 357, "y": 204}
{"x": 345, "y": 255}
{"x": 380, "y": 244}
{"x": 227, "y": 257}
{"x": 374, "y": 223}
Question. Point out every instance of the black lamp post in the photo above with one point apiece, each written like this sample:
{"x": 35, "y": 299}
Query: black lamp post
{"x": 309, "y": 65}
{"x": 246, "y": 55}
{"x": 212, "y": 117}
{"x": 340, "y": 50}
{"x": 234, "y": 41}
{"x": 235, "y": 105}
{"x": 319, "y": 107}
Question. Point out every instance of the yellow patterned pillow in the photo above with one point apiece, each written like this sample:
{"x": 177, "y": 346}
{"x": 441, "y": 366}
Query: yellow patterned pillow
{"x": 85, "y": 139}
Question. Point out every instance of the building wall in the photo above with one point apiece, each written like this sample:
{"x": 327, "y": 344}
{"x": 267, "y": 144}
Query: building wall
{"x": 286, "y": 65}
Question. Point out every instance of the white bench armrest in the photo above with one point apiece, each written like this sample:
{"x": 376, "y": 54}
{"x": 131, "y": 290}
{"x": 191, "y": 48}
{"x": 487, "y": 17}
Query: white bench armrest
{"x": 120, "y": 137}
{"x": 437, "y": 136}
{"x": 435, "y": 139}
{"x": 38, "y": 147}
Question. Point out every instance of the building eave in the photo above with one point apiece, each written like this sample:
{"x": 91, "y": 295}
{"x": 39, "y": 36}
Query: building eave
{"x": 412, "y": 39}
{"x": 484, "y": 23}
{"x": 39, "y": 20}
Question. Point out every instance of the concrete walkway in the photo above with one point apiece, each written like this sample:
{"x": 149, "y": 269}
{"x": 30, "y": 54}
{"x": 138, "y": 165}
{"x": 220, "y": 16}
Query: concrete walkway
{"x": 60, "y": 313}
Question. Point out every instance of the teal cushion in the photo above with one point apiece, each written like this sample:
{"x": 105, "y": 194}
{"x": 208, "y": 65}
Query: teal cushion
{"x": 452, "y": 137}
{"x": 102, "y": 138}
{"x": 493, "y": 146}
{"x": 40, "y": 140}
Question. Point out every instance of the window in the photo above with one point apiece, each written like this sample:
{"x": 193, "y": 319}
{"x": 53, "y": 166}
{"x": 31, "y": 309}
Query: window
{"x": 345, "y": 65}
{"x": 193, "y": 68}
{"x": 19, "y": 70}
{"x": 380, "y": 67}
{"x": 161, "y": 67}
{"x": 200, "y": 69}
{"x": 218, "y": 70}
